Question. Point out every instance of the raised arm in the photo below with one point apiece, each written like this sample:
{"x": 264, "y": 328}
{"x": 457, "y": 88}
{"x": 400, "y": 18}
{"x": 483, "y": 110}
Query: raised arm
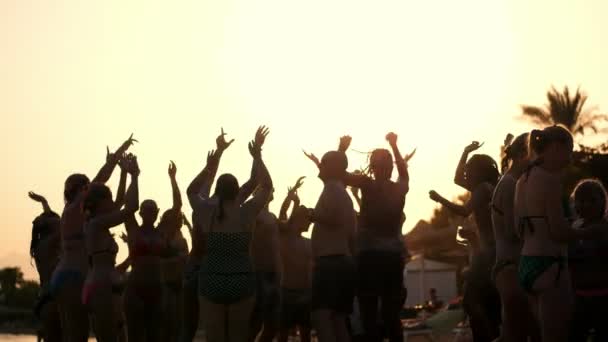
{"x": 122, "y": 185}
{"x": 260, "y": 199}
{"x": 404, "y": 177}
{"x": 249, "y": 187}
{"x": 107, "y": 169}
{"x": 292, "y": 196}
{"x": 458, "y": 209}
{"x": 177, "y": 196}
{"x": 459, "y": 177}
{"x": 40, "y": 199}
{"x": 118, "y": 216}
{"x": 200, "y": 187}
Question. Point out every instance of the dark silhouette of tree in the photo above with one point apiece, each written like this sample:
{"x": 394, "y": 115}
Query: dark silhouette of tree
{"x": 566, "y": 109}
{"x": 15, "y": 291}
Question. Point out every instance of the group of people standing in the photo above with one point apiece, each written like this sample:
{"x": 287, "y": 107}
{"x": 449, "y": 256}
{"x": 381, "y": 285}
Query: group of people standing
{"x": 537, "y": 271}
{"x": 253, "y": 276}
{"x": 250, "y": 275}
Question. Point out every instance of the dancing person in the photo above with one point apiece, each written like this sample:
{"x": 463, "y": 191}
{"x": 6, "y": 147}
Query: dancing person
{"x": 69, "y": 275}
{"x": 45, "y": 250}
{"x": 101, "y": 215}
{"x": 518, "y": 322}
{"x": 587, "y": 264}
{"x": 198, "y": 193}
{"x": 265, "y": 253}
{"x": 227, "y": 279}
{"x": 147, "y": 245}
{"x": 296, "y": 256}
{"x": 333, "y": 278}
{"x": 380, "y": 258}
{"x": 539, "y": 210}
{"x": 172, "y": 267}
{"x": 479, "y": 175}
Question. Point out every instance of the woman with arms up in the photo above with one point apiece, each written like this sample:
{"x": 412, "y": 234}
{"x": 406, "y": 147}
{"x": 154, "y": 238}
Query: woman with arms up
{"x": 147, "y": 246}
{"x": 380, "y": 259}
{"x": 479, "y": 175}
{"x": 45, "y": 250}
{"x": 70, "y": 273}
{"x": 101, "y": 215}
{"x": 227, "y": 282}
{"x": 198, "y": 195}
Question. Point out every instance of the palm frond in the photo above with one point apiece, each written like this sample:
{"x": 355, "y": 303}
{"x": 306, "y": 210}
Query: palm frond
{"x": 536, "y": 114}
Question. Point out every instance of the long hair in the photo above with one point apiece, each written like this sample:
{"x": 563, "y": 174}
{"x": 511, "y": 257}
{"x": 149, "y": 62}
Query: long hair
{"x": 484, "y": 167}
{"x": 541, "y": 139}
{"x": 96, "y": 194}
{"x": 41, "y": 227}
{"x": 514, "y": 149}
{"x": 73, "y": 185}
{"x": 226, "y": 189}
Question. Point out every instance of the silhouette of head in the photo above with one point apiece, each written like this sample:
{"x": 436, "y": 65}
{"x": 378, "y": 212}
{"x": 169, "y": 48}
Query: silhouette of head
{"x": 481, "y": 168}
{"x": 589, "y": 198}
{"x": 43, "y": 225}
{"x": 381, "y": 164}
{"x": 553, "y": 145}
{"x": 98, "y": 200}
{"x": 226, "y": 190}
{"x": 148, "y": 210}
{"x": 171, "y": 220}
{"x": 74, "y": 185}
{"x": 516, "y": 151}
{"x": 299, "y": 221}
{"x": 333, "y": 166}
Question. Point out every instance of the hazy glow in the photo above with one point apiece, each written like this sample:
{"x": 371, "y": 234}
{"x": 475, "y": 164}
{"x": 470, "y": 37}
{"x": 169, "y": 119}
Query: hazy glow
{"x": 76, "y": 76}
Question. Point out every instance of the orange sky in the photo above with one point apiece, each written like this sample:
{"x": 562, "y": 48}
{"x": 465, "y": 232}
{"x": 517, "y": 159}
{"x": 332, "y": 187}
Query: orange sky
{"x": 77, "y": 75}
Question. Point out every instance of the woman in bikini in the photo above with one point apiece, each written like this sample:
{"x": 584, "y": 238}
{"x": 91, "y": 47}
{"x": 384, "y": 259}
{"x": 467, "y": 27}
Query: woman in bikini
{"x": 172, "y": 268}
{"x": 101, "y": 215}
{"x": 45, "y": 250}
{"x": 479, "y": 175}
{"x": 144, "y": 289}
{"x": 546, "y": 232}
{"x": 70, "y": 273}
{"x": 227, "y": 282}
{"x": 518, "y": 322}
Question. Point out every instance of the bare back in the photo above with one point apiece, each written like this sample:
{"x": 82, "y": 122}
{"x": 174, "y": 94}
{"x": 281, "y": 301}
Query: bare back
{"x": 531, "y": 214}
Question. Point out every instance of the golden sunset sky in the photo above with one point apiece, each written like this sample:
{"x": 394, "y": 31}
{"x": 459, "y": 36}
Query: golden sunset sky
{"x": 76, "y": 76}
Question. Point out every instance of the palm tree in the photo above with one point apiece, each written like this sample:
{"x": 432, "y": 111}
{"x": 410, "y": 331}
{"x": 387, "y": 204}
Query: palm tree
{"x": 566, "y": 110}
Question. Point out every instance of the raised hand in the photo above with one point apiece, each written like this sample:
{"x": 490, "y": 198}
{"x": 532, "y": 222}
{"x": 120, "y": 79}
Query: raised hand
{"x": 125, "y": 145}
{"x": 391, "y": 138}
{"x": 38, "y": 198}
{"x": 131, "y": 165}
{"x": 260, "y": 136}
{"x": 110, "y": 157}
{"x": 474, "y": 146}
{"x": 254, "y": 149}
{"x": 172, "y": 170}
{"x": 312, "y": 157}
{"x": 221, "y": 143}
{"x": 345, "y": 143}
{"x": 434, "y": 196}
{"x": 122, "y": 162}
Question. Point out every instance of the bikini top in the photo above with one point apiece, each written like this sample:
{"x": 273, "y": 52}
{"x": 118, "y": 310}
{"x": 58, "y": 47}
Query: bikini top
{"x": 150, "y": 245}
